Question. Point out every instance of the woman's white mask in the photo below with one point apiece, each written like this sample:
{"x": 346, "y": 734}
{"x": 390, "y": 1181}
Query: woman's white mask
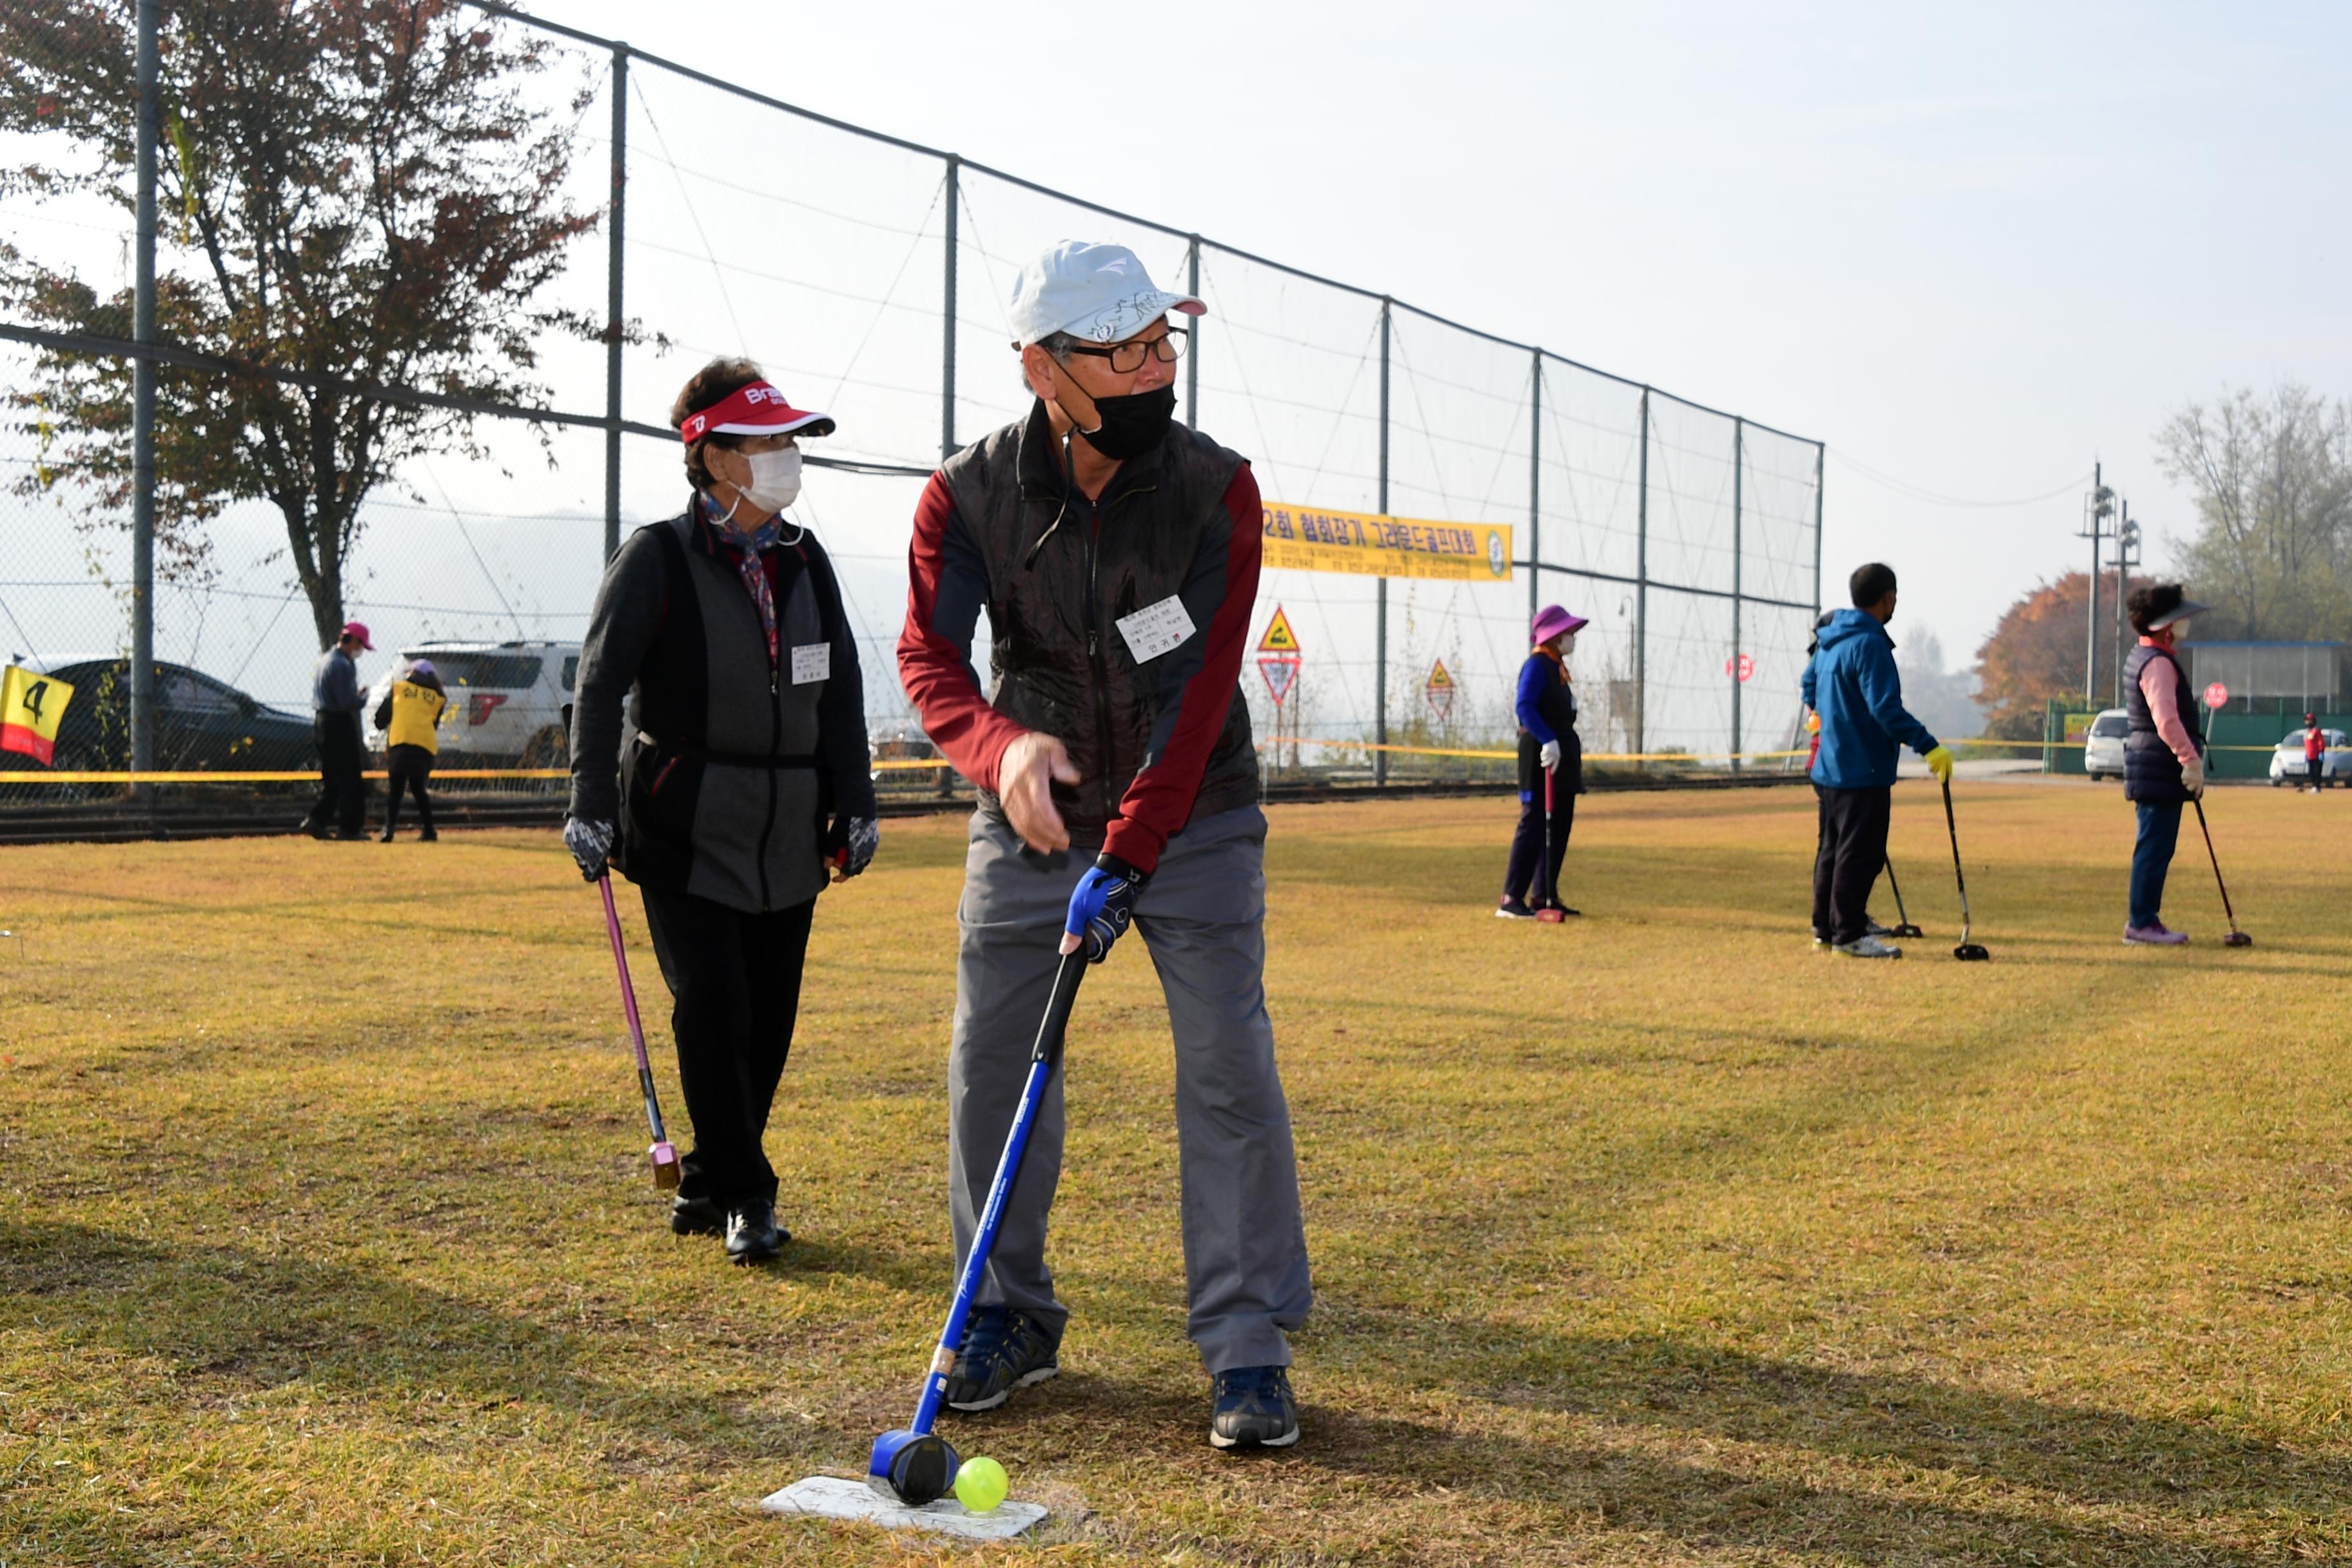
{"x": 775, "y": 481}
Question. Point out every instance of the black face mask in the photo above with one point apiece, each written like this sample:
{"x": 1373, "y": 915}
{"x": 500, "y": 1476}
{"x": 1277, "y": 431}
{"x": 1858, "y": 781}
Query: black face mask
{"x": 1131, "y": 426}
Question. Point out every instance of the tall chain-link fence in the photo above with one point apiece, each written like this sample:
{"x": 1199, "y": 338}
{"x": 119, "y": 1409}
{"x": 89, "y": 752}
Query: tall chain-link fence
{"x": 869, "y": 277}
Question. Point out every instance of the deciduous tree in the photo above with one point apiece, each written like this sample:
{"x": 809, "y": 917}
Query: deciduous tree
{"x": 360, "y": 189}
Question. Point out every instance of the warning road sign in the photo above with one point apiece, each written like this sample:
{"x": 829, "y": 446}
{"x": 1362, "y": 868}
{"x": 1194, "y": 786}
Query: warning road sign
{"x": 1279, "y": 674}
{"x": 1439, "y": 689}
{"x": 2216, "y": 696}
{"x": 1279, "y": 638}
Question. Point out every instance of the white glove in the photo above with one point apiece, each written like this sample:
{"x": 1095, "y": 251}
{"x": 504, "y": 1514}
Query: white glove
{"x": 2193, "y": 776}
{"x": 1549, "y": 755}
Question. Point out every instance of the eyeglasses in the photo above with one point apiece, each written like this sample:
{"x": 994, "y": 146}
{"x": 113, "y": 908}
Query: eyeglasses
{"x": 1127, "y": 358}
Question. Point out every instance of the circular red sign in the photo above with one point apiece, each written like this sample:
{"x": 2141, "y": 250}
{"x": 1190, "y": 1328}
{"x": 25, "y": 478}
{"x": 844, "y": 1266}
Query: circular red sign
{"x": 2217, "y": 695}
{"x": 1742, "y": 665}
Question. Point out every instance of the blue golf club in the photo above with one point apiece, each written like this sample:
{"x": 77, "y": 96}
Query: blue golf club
{"x": 912, "y": 1465}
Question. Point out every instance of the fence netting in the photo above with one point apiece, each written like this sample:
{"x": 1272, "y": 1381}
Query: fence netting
{"x": 1688, "y": 537}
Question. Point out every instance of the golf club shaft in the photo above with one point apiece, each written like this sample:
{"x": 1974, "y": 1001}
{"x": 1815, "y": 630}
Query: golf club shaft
{"x": 629, "y": 1005}
{"x": 1896, "y": 888}
{"x": 1551, "y": 894}
{"x": 2216, "y": 859}
{"x": 1042, "y": 1059}
{"x": 1960, "y": 878}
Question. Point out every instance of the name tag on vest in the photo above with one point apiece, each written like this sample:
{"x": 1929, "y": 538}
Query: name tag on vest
{"x": 812, "y": 661}
{"x": 1155, "y": 628}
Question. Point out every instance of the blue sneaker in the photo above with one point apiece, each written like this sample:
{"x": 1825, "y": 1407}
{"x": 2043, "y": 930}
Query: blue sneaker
{"x": 1002, "y": 1349}
{"x": 1253, "y": 1408}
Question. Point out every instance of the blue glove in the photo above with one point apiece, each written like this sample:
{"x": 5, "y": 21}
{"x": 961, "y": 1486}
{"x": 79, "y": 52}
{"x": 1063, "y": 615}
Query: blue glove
{"x": 1103, "y": 904}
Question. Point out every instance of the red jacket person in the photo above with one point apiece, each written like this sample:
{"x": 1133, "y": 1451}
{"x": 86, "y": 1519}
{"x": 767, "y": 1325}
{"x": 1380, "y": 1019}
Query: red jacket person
{"x": 1116, "y": 553}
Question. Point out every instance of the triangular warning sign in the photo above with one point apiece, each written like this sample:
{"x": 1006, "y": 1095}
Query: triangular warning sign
{"x": 1279, "y": 674}
{"x": 1279, "y": 637}
{"x": 1438, "y": 680}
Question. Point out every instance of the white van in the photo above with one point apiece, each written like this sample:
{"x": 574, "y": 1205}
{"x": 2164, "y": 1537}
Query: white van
{"x": 2103, "y": 748}
{"x": 510, "y": 702}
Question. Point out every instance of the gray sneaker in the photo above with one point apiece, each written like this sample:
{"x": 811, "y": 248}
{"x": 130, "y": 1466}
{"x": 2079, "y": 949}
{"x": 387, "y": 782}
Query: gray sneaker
{"x": 1869, "y": 947}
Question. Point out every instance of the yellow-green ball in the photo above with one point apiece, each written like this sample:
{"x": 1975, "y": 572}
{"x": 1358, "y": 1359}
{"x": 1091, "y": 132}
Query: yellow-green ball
{"x": 980, "y": 1485}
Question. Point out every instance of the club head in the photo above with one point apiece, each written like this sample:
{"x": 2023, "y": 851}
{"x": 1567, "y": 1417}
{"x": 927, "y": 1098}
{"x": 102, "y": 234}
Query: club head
{"x": 1551, "y": 916}
{"x": 665, "y": 1167}
{"x": 912, "y": 1467}
{"x": 1907, "y": 930}
{"x": 1970, "y": 952}
{"x": 2236, "y": 938}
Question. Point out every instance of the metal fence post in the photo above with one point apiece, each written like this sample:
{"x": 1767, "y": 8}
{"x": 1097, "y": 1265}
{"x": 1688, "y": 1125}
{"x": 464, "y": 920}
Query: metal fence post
{"x": 143, "y": 409}
{"x": 1380, "y": 590}
{"x": 1535, "y": 494}
{"x": 1193, "y": 360}
{"x": 1642, "y": 594}
{"x": 612, "y": 299}
{"x": 1738, "y": 445}
{"x": 1821, "y": 453}
{"x": 947, "y": 313}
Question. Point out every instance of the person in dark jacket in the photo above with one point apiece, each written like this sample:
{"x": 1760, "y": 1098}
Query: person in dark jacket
{"x": 745, "y": 780}
{"x": 1546, "y": 706}
{"x": 1116, "y": 555}
{"x": 335, "y": 704}
{"x": 2164, "y": 755}
{"x": 1852, "y": 683}
{"x": 410, "y": 717}
{"x": 1824, "y": 842}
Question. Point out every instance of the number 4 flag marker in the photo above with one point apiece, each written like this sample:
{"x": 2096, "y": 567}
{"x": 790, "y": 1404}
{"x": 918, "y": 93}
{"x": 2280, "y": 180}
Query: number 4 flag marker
{"x": 30, "y": 706}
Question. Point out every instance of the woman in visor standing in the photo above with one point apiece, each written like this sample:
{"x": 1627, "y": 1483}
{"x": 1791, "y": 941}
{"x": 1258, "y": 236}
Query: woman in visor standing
{"x": 2164, "y": 755}
{"x": 1546, "y": 706}
{"x": 744, "y": 778}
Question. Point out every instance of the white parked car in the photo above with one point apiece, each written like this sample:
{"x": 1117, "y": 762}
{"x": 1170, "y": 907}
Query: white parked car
{"x": 2288, "y": 762}
{"x": 510, "y": 702}
{"x": 2103, "y": 748}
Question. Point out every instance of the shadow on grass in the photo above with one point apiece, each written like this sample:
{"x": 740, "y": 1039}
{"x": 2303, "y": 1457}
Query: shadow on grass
{"x": 257, "y": 1322}
{"x": 1595, "y": 1489}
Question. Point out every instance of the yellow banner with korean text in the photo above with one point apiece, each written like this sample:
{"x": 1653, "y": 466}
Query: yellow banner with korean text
{"x": 1314, "y": 539}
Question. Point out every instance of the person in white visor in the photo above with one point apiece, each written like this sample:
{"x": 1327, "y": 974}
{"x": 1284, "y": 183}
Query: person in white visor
{"x": 743, "y": 784}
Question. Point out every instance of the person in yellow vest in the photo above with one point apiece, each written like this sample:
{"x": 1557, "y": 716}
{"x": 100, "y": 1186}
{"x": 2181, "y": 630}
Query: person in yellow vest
{"x": 410, "y": 717}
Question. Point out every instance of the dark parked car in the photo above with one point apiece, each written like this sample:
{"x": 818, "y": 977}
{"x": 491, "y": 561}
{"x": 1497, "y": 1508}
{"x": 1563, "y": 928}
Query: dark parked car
{"x": 201, "y": 723}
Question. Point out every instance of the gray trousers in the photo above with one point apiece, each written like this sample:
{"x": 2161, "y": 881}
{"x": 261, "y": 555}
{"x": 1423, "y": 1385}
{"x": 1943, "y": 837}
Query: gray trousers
{"x": 1203, "y": 918}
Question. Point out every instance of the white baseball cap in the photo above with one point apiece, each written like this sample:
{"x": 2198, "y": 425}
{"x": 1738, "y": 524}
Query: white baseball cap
{"x": 1099, "y": 292}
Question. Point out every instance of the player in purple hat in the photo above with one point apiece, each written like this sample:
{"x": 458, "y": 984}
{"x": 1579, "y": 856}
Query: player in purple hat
{"x": 1548, "y": 746}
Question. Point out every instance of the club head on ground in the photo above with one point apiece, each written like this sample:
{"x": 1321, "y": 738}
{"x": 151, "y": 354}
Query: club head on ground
{"x": 1551, "y": 916}
{"x": 2236, "y": 938}
{"x": 912, "y": 1467}
{"x": 665, "y": 1167}
{"x": 1907, "y": 930}
{"x": 1971, "y": 952}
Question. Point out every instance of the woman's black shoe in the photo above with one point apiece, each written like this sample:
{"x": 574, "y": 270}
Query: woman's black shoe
{"x": 752, "y": 1234}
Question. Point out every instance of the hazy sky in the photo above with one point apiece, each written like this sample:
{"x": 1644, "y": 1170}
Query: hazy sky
{"x": 1972, "y": 249}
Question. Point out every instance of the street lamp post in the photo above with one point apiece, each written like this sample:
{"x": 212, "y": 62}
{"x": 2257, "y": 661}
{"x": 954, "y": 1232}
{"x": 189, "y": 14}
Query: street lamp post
{"x": 2127, "y": 556}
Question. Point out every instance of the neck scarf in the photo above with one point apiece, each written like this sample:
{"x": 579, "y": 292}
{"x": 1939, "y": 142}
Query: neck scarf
{"x": 750, "y": 567}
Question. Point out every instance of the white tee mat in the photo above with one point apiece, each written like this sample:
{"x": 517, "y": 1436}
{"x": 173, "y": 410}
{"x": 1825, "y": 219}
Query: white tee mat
{"x": 832, "y": 1496}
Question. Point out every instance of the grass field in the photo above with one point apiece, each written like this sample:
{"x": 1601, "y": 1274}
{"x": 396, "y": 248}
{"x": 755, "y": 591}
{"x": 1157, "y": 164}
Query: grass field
{"x": 1656, "y": 1237}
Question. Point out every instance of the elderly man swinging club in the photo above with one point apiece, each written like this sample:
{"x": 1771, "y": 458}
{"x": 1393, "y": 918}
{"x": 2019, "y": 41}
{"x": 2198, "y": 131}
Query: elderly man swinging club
{"x": 1116, "y": 555}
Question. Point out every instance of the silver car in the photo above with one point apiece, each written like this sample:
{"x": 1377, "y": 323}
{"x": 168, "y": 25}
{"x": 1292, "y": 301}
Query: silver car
{"x": 2103, "y": 748}
{"x": 2289, "y": 762}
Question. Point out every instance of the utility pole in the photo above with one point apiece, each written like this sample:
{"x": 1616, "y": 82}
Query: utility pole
{"x": 948, "y": 318}
{"x": 2097, "y": 507}
{"x": 2127, "y": 556}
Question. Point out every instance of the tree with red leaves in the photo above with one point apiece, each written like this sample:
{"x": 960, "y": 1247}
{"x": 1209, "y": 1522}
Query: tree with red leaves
{"x": 2035, "y": 654}
{"x": 361, "y": 190}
